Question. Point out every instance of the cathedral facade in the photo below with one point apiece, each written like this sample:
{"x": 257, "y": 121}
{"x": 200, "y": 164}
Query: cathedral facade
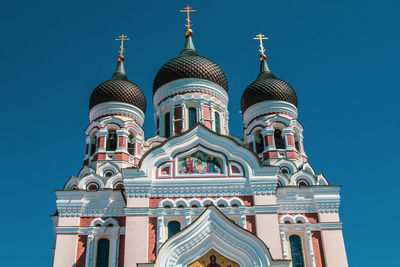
{"x": 193, "y": 195}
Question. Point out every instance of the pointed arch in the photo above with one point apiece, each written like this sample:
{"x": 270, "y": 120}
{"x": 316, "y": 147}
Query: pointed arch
{"x": 213, "y": 230}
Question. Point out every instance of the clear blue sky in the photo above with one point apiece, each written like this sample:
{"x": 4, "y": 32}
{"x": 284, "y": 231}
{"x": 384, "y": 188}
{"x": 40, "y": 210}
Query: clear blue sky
{"x": 341, "y": 57}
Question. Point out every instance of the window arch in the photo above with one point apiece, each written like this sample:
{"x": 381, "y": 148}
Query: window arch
{"x": 192, "y": 117}
{"x": 259, "y": 141}
{"x": 302, "y": 182}
{"x": 173, "y": 228}
{"x": 217, "y": 123}
{"x": 279, "y": 139}
{"x": 103, "y": 252}
{"x": 112, "y": 140}
{"x": 296, "y": 250}
{"x": 167, "y": 124}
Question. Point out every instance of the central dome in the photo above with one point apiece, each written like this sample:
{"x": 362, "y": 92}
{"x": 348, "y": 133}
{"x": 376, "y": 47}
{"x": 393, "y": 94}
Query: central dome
{"x": 189, "y": 64}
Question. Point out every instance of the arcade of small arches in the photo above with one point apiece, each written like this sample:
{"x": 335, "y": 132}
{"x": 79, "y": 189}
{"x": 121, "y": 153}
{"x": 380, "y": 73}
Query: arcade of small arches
{"x": 196, "y": 203}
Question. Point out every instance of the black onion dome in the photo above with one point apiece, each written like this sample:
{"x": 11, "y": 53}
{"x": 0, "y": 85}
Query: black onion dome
{"x": 118, "y": 88}
{"x": 189, "y": 64}
{"x": 267, "y": 87}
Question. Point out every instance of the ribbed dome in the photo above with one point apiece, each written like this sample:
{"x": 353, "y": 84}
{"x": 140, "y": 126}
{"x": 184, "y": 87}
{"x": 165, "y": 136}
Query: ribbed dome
{"x": 118, "y": 88}
{"x": 267, "y": 87}
{"x": 189, "y": 64}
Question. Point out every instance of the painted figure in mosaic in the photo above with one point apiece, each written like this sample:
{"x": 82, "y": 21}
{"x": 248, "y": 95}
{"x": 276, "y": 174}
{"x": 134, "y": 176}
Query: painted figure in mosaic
{"x": 213, "y": 261}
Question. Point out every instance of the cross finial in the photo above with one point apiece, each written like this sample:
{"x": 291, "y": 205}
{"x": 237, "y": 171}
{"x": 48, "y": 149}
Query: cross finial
{"x": 122, "y": 38}
{"x": 188, "y": 9}
{"x": 261, "y": 37}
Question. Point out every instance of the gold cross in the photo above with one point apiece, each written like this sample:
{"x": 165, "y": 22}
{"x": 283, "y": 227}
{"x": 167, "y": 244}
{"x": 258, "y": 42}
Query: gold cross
{"x": 188, "y": 9}
{"x": 261, "y": 37}
{"x": 122, "y": 38}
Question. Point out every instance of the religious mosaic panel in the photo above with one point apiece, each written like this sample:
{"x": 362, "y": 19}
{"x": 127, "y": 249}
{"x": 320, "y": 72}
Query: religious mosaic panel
{"x": 200, "y": 162}
{"x": 213, "y": 259}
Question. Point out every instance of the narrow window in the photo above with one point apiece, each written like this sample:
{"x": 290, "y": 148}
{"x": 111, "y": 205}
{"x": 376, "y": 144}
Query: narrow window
{"x": 93, "y": 144}
{"x": 258, "y": 138}
{"x": 103, "y": 252}
{"x": 112, "y": 140}
{"x": 167, "y": 125}
{"x": 192, "y": 117}
{"x": 297, "y": 251}
{"x": 131, "y": 144}
{"x": 279, "y": 140}
{"x": 217, "y": 123}
{"x": 173, "y": 228}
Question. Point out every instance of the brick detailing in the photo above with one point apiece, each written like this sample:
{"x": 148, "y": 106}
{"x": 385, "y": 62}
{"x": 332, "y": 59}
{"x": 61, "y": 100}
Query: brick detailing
{"x": 101, "y": 141}
{"x": 121, "y": 253}
{"x": 122, "y": 141}
{"x": 207, "y": 116}
{"x": 270, "y": 155}
{"x": 152, "y": 238}
{"x": 85, "y": 221}
{"x": 318, "y": 249}
{"x": 290, "y": 139}
{"x": 292, "y": 155}
{"x": 251, "y": 223}
{"x": 153, "y": 202}
{"x": 121, "y": 156}
{"x": 81, "y": 251}
{"x": 178, "y": 119}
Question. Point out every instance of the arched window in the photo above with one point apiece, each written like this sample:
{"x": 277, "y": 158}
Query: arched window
{"x": 173, "y": 228}
{"x": 279, "y": 140}
{"x": 103, "y": 252}
{"x": 93, "y": 144}
{"x": 297, "y": 251}
{"x": 167, "y": 125}
{"x": 259, "y": 141}
{"x": 131, "y": 144}
{"x": 302, "y": 182}
{"x": 192, "y": 117}
{"x": 112, "y": 140}
{"x": 217, "y": 123}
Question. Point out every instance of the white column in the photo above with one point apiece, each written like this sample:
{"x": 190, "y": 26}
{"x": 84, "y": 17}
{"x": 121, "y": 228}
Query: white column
{"x": 89, "y": 251}
{"x": 184, "y": 123}
{"x": 160, "y": 231}
{"x": 188, "y": 220}
{"x": 114, "y": 255}
{"x": 284, "y": 245}
{"x": 310, "y": 248}
{"x": 212, "y": 118}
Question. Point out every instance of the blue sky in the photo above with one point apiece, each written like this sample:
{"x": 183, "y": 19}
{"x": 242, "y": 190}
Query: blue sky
{"x": 341, "y": 57}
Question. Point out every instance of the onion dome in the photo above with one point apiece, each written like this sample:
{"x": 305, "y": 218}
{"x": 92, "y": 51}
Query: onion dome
{"x": 189, "y": 64}
{"x": 267, "y": 87}
{"x": 120, "y": 89}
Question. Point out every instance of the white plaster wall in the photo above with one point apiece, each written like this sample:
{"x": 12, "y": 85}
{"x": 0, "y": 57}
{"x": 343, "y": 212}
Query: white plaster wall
{"x": 136, "y": 240}
{"x": 329, "y": 217}
{"x": 66, "y": 246}
{"x": 268, "y": 231}
{"x": 138, "y": 202}
{"x": 68, "y": 221}
{"x": 334, "y": 249}
{"x": 264, "y": 200}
